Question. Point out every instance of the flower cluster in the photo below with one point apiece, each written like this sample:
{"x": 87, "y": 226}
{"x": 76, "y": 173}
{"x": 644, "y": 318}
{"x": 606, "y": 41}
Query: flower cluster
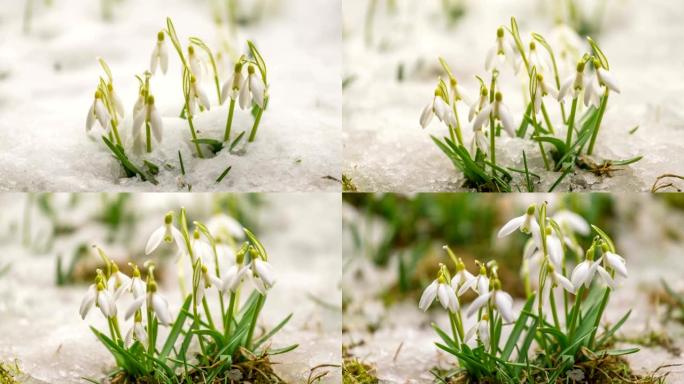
{"x": 568, "y": 328}
{"x": 199, "y": 66}
{"x": 540, "y": 72}
{"x": 221, "y": 270}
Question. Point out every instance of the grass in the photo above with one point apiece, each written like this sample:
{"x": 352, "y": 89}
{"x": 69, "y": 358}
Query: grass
{"x": 9, "y": 373}
{"x": 355, "y": 371}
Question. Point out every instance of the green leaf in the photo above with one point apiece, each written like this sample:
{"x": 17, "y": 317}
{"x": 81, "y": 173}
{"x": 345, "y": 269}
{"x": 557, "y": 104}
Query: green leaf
{"x": 273, "y": 331}
{"x": 256, "y": 243}
{"x": 259, "y": 60}
{"x": 280, "y": 351}
{"x": 605, "y": 237}
{"x": 236, "y": 141}
{"x": 447, "y": 339}
{"x": 223, "y": 174}
{"x": 620, "y": 352}
{"x": 214, "y": 145}
{"x": 518, "y": 328}
{"x": 175, "y": 329}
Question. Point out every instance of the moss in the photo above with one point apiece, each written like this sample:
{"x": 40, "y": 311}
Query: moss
{"x": 347, "y": 184}
{"x": 9, "y": 373}
{"x": 356, "y": 372}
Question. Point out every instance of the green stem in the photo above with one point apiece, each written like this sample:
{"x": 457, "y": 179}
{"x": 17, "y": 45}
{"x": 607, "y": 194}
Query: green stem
{"x": 602, "y": 308}
{"x": 454, "y": 332}
{"x": 571, "y": 123}
{"x": 554, "y": 311}
{"x": 574, "y": 312}
{"x": 255, "y": 127}
{"x": 599, "y": 118}
{"x": 547, "y": 119}
{"x": 260, "y": 304}
{"x": 459, "y": 135}
{"x": 194, "y": 137}
{"x": 228, "y": 318}
{"x": 148, "y": 138}
{"x": 207, "y": 312}
{"x": 229, "y": 121}
{"x": 115, "y": 129}
{"x": 541, "y": 145}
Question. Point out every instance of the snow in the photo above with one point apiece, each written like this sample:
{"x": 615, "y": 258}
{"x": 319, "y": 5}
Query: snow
{"x": 42, "y": 329}
{"x": 48, "y": 78}
{"x": 402, "y": 349}
{"x": 385, "y": 148}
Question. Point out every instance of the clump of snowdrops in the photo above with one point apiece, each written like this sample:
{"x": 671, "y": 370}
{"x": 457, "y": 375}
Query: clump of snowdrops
{"x": 566, "y": 95}
{"x": 246, "y": 86}
{"x": 214, "y": 333}
{"x": 557, "y": 329}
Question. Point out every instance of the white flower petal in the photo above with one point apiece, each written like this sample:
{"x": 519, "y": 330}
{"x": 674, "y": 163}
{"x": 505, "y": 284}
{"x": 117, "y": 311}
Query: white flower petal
{"x": 477, "y": 304}
{"x": 504, "y": 303}
{"x": 608, "y": 80}
{"x": 135, "y": 305}
{"x": 88, "y": 301}
{"x": 428, "y": 296}
{"x": 511, "y": 226}
{"x": 161, "y": 308}
{"x": 154, "y": 240}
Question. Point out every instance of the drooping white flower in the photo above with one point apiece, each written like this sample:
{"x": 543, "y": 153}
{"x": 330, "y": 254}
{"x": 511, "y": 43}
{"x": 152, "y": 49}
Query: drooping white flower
{"x": 481, "y": 328}
{"x": 98, "y": 112}
{"x": 197, "y": 66}
{"x": 461, "y": 277}
{"x": 555, "y": 249}
{"x": 479, "y": 142}
{"x": 160, "y": 55}
{"x": 207, "y": 280}
{"x": 118, "y": 282}
{"x": 543, "y": 89}
{"x": 116, "y": 100}
{"x": 224, "y": 227}
{"x": 155, "y": 302}
{"x": 231, "y": 280}
{"x": 263, "y": 275}
{"x": 137, "y": 286}
{"x": 443, "y": 292}
{"x": 526, "y": 223}
{"x": 571, "y": 221}
{"x": 167, "y": 233}
{"x": 231, "y": 88}
{"x": 557, "y": 279}
{"x": 584, "y": 273}
{"x": 437, "y": 107}
{"x": 536, "y": 59}
{"x": 99, "y": 296}
{"x": 200, "y": 247}
{"x": 478, "y": 104}
{"x": 137, "y": 332}
{"x": 502, "y": 301}
{"x": 457, "y": 92}
{"x": 501, "y": 52}
{"x": 574, "y": 84}
{"x": 479, "y": 284}
{"x": 499, "y": 111}
{"x": 197, "y": 96}
{"x": 252, "y": 90}
{"x": 594, "y": 85}
{"x": 616, "y": 262}
{"x": 147, "y": 115}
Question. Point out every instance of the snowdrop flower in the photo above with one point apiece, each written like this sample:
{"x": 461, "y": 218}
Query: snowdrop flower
{"x": 167, "y": 233}
{"x": 558, "y": 280}
{"x": 500, "y": 52}
{"x": 527, "y": 224}
{"x": 118, "y": 105}
{"x": 482, "y": 330}
{"x": 252, "y": 90}
{"x": 616, "y": 262}
{"x": 207, "y": 280}
{"x": 462, "y": 276}
{"x": 601, "y": 78}
{"x": 574, "y": 84}
{"x": 478, "y": 104}
{"x": 200, "y": 248}
{"x": 543, "y": 89}
{"x": 554, "y": 248}
{"x": 479, "y": 142}
{"x": 197, "y": 96}
{"x": 160, "y": 56}
{"x": 137, "y": 286}
{"x": 137, "y": 331}
{"x": 569, "y": 220}
{"x": 457, "y": 92}
{"x": 118, "y": 282}
{"x": 155, "y": 303}
{"x": 231, "y": 280}
{"x": 97, "y": 295}
{"x": 584, "y": 272}
{"x": 479, "y": 284}
{"x": 196, "y": 65}
{"x": 231, "y": 88}
{"x": 440, "y": 289}
{"x": 224, "y": 228}
{"x": 262, "y": 275}
{"x": 499, "y": 111}
{"x": 502, "y": 301}
{"x": 535, "y": 58}
{"x": 148, "y": 115}
{"x": 98, "y": 112}
{"x": 437, "y": 107}
{"x": 140, "y": 102}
